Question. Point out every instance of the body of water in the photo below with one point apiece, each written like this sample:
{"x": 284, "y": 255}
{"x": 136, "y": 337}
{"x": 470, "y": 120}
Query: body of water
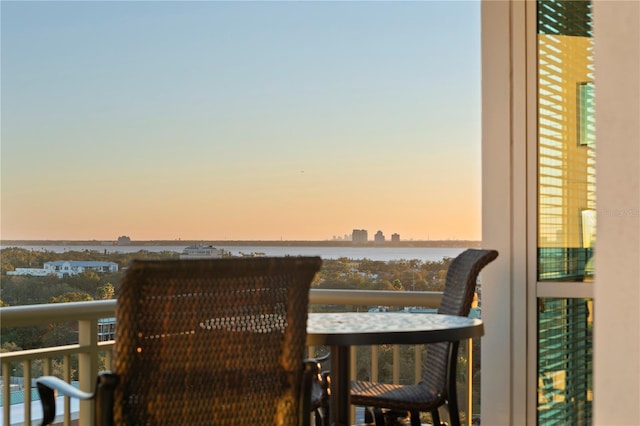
{"x": 434, "y": 254}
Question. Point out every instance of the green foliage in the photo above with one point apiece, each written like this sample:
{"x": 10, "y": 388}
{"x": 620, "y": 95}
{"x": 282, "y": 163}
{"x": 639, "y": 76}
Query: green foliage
{"x": 26, "y": 290}
{"x": 13, "y": 258}
{"x": 60, "y": 334}
{"x": 86, "y": 281}
{"x": 397, "y": 284}
{"x": 23, "y": 337}
{"x": 71, "y": 296}
{"x": 366, "y": 274}
{"x": 9, "y": 347}
{"x": 105, "y": 292}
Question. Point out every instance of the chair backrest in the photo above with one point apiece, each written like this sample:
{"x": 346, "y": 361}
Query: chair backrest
{"x": 459, "y": 290}
{"x": 460, "y": 283}
{"x": 212, "y": 342}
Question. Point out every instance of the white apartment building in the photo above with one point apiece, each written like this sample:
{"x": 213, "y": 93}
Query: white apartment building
{"x": 67, "y": 267}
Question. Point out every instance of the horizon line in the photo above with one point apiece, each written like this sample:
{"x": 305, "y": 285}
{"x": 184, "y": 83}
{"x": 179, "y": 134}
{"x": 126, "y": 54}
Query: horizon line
{"x": 229, "y": 240}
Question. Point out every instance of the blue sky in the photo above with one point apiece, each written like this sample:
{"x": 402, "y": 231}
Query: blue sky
{"x": 240, "y": 120}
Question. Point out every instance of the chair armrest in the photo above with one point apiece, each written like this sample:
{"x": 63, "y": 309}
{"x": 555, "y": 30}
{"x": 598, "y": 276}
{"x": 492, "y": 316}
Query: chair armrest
{"x": 47, "y": 388}
{"x": 105, "y": 385}
{"x": 55, "y": 384}
{"x": 321, "y": 359}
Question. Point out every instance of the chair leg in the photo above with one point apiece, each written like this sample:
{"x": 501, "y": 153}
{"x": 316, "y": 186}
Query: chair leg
{"x": 415, "y": 418}
{"x": 435, "y": 417}
{"x": 369, "y": 415}
{"x": 454, "y": 414}
{"x": 379, "y": 417}
{"x": 320, "y": 418}
{"x": 452, "y": 396}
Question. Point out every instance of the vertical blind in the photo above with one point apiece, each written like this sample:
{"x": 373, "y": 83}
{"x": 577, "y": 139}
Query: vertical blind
{"x": 566, "y": 206}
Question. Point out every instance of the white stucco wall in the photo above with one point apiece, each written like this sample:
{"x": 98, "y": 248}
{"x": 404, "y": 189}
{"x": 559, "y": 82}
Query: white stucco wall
{"x": 504, "y": 214}
{"x": 617, "y": 252}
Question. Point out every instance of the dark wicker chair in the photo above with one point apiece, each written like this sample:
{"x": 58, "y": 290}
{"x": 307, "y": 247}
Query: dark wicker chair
{"x": 388, "y": 401}
{"x": 206, "y": 342}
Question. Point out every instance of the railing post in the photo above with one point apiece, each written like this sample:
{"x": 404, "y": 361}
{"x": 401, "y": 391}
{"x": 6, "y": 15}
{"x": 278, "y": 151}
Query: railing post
{"x": 26, "y": 384}
{"x": 396, "y": 364}
{"x": 6, "y": 392}
{"x": 87, "y": 366}
{"x": 352, "y": 366}
{"x": 66, "y": 376}
{"x": 374, "y": 363}
{"x": 108, "y": 359}
{"x": 469, "y": 381}
{"x": 417, "y": 363}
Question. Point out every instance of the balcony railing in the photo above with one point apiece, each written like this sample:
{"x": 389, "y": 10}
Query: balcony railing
{"x": 90, "y": 351}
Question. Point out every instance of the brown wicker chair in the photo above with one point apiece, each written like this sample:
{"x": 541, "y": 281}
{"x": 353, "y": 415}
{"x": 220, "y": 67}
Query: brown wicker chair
{"x": 206, "y": 342}
{"x": 437, "y": 386}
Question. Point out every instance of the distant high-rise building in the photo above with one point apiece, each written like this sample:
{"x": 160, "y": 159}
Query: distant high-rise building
{"x": 123, "y": 240}
{"x": 359, "y": 236}
{"x": 379, "y": 238}
{"x": 395, "y": 238}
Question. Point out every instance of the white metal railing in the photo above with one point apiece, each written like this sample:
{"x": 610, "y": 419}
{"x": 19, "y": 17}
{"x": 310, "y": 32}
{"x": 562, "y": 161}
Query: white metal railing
{"x": 88, "y": 349}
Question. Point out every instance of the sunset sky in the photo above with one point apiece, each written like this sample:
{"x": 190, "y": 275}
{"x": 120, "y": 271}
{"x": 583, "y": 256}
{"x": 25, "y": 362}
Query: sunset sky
{"x": 240, "y": 120}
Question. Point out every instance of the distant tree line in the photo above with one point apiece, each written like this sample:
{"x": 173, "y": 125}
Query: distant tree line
{"x": 343, "y": 273}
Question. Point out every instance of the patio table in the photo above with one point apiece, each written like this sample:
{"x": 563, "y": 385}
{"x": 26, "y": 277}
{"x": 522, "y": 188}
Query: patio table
{"x": 340, "y": 331}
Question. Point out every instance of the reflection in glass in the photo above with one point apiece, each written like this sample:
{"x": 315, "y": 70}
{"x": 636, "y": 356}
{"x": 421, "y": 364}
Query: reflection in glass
{"x": 565, "y": 361}
{"x": 586, "y": 114}
{"x": 566, "y": 142}
{"x": 566, "y": 209}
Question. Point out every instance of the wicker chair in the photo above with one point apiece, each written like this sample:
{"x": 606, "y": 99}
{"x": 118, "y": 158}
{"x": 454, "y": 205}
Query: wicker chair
{"x": 437, "y": 386}
{"x": 206, "y": 342}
